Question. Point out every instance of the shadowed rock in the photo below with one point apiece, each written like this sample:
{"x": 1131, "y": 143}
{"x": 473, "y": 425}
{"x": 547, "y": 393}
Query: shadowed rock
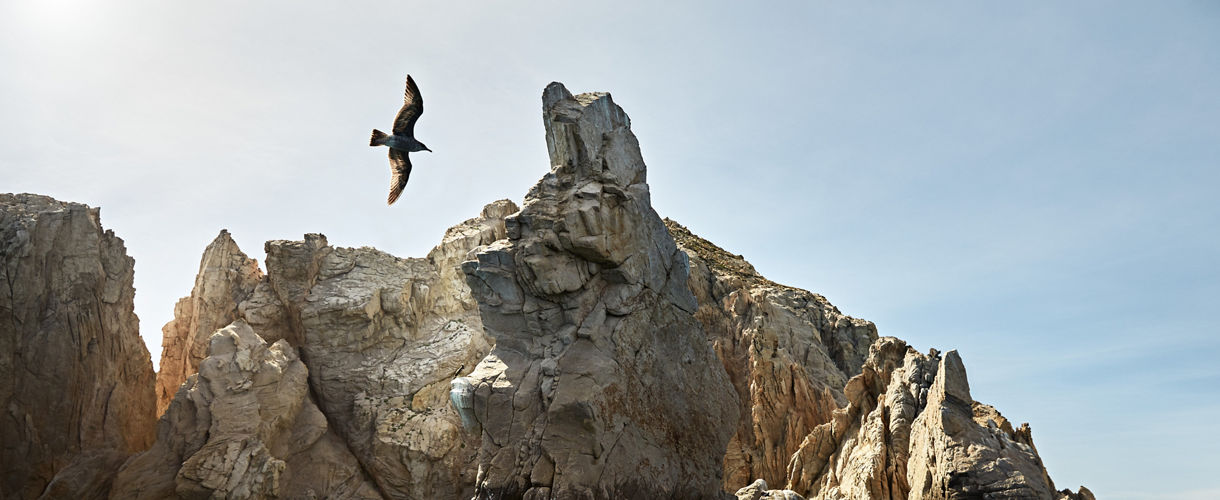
{"x": 788, "y": 352}
{"x": 76, "y": 382}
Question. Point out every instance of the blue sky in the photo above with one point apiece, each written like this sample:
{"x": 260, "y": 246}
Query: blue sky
{"x": 1034, "y": 184}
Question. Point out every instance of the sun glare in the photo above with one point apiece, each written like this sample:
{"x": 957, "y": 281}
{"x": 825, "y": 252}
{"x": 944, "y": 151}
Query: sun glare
{"x": 59, "y": 17}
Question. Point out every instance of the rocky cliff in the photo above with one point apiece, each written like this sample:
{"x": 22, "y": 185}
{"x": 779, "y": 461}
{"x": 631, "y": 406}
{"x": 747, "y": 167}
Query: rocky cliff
{"x": 576, "y": 347}
{"x": 75, "y": 378}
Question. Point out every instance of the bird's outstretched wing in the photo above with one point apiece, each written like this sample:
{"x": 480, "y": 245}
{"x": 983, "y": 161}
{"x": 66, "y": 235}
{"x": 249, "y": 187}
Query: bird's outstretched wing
{"x": 412, "y": 107}
{"x": 400, "y": 170}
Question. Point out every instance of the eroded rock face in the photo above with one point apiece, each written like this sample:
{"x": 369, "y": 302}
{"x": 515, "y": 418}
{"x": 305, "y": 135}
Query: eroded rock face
{"x": 380, "y": 340}
{"x": 381, "y": 352}
{"x": 227, "y": 277}
{"x": 76, "y": 382}
{"x": 789, "y": 353}
{"x": 602, "y": 383}
{"x": 910, "y": 431}
{"x": 245, "y": 426}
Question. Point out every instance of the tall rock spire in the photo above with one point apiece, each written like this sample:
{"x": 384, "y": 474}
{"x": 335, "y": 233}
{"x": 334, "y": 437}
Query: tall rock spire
{"x": 602, "y": 383}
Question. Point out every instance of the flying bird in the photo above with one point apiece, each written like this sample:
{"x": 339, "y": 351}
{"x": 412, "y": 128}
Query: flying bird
{"x": 402, "y": 141}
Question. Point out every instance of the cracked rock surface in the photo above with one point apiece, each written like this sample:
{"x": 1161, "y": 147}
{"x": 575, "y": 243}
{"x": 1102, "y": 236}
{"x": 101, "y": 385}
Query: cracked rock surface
{"x": 76, "y": 393}
{"x": 379, "y": 337}
{"x": 244, "y": 426}
{"x": 788, "y": 352}
{"x": 226, "y": 278}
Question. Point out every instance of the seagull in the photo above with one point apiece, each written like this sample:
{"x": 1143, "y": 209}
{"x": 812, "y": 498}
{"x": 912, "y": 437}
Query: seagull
{"x": 402, "y": 141}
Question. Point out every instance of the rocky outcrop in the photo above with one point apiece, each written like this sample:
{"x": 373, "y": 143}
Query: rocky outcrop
{"x": 788, "y": 352}
{"x": 380, "y": 339}
{"x": 602, "y": 383}
{"x": 226, "y": 279}
{"x": 632, "y": 359}
{"x": 910, "y": 431}
{"x": 245, "y": 426}
{"x": 76, "y": 382}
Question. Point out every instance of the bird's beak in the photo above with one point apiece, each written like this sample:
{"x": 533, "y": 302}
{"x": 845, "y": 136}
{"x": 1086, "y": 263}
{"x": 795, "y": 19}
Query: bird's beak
{"x": 428, "y": 150}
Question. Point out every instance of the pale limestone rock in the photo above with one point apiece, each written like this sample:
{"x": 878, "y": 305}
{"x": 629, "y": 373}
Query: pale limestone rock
{"x": 952, "y": 456}
{"x": 244, "y": 427}
{"x": 789, "y": 353}
{"x": 602, "y": 384}
{"x": 910, "y": 431}
{"x": 758, "y": 491}
{"x": 382, "y": 338}
{"x": 226, "y": 278}
{"x": 76, "y": 382}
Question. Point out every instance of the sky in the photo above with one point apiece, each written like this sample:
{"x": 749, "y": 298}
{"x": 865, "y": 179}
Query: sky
{"x": 1035, "y": 184}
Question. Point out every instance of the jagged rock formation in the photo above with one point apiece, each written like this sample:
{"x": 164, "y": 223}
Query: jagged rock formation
{"x": 380, "y": 339}
{"x": 910, "y": 431}
{"x": 76, "y": 381}
{"x": 245, "y": 426}
{"x": 789, "y": 353}
{"x": 632, "y": 359}
{"x": 601, "y": 383}
{"x": 227, "y": 278}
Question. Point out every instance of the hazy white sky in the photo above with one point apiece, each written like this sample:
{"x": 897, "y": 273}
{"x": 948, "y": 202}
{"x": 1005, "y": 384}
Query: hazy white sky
{"x": 1034, "y": 184}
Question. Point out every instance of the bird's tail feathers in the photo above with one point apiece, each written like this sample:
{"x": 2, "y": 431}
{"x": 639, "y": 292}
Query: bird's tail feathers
{"x": 378, "y": 138}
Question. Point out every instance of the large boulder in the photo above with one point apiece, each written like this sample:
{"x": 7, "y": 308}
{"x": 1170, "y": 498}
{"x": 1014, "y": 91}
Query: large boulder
{"x": 76, "y": 382}
{"x": 602, "y": 384}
